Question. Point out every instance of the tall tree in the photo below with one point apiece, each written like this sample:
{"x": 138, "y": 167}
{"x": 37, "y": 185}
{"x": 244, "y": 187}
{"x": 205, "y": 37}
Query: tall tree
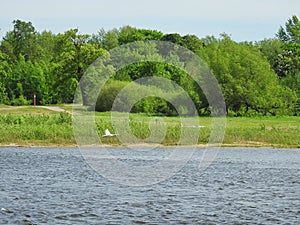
{"x": 291, "y": 32}
{"x": 21, "y": 41}
{"x": 107, "y": 40}
{"x": 75, "y": 54}
{"x": 129, "y": 34}
{"x": 287, "y": 64}
{"x": 4, "y": 71}
{"x": 248, "y": 83}
{"x": 271, "y": 48}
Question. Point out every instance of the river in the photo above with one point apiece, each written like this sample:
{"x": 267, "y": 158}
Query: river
{"x": 242, "y": 186}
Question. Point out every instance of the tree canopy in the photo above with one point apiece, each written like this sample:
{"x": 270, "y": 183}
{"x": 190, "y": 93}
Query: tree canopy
{"x": 261, "y": 78}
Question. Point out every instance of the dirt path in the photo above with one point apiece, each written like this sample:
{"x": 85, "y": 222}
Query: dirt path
{"x": 54, "y": 108}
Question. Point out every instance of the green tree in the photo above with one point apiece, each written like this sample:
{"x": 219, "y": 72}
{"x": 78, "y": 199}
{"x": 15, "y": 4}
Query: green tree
{"x": 21, "y": 41}
{"x": 4, "y": 70}
{"x": 291, "y": 32}
{"x": 287, "y": 64}
{"x": 193, "y": 43}
{"x": 25, "y": 79}
{"x": 74, "y": 55}
{"x": 271, "y": 48}
{"x": 107, "y": 40}
{"x": 129, "y": 34}
{"x": 248, "y": 83}
{"x": 174, "y": 38}
{"x": 108, "y": 95}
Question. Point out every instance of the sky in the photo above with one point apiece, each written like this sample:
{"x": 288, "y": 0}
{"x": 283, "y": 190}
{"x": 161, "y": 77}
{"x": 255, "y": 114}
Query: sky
{"x": 243, "y": 20}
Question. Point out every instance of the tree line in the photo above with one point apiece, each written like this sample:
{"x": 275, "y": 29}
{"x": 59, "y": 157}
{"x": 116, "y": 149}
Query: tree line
{"x": 256, "y": 78}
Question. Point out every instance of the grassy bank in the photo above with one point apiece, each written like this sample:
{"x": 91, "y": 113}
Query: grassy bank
{"x": 39, "y": 126}
{"x": 48, "y": 128}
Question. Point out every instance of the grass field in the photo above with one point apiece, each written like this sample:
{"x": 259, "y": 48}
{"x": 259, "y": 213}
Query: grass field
{"x": 35, "y": 126}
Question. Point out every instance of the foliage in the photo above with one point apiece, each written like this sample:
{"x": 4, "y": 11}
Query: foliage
{"x": 256, "y": 79}
{"x": 3, "y": 94}
{"x": 107, "y": 96}
{"x": 36, "y": 129}
{"x": 291, "y": 32}
{"x": 249, "y": 86}
{"x": 55, "y": 128}
{"x": 110, "y": 98}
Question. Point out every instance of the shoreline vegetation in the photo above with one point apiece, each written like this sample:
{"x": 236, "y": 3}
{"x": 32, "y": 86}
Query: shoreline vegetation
{"x": 51, "y": 126}
{"x": 259, "y": 81}
{"x": 260, "y": 78}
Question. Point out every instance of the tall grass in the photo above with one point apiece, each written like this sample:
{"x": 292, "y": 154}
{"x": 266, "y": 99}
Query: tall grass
{"x": 240, "y": 131}
{"x": 36, "y": 129}
{"x": 274, "y": 131}
{"x": 57, "y": 129}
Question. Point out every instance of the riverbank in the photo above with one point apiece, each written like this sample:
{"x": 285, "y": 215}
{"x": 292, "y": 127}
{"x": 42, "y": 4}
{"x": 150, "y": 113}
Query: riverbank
{"x": 52, "y": 126}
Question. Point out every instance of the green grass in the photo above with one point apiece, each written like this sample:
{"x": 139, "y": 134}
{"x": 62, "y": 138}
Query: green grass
{"x": 260, "y": 131}
{"x": 240, "y": 131}
{"x": 24, "y": 110}
{"x": 36, "y": 129}
{"x": 38, "y": 126}
{"x": 141, "y": 125}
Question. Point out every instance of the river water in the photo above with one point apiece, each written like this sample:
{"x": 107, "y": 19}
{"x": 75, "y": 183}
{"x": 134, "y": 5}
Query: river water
{"x": 242, "y": 186}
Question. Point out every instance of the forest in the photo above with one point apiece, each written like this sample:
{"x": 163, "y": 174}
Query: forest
{"x": 256, "y": 78}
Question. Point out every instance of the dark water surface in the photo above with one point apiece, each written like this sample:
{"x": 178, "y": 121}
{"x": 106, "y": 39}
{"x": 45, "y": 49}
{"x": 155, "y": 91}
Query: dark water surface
{"x": 242, "y": 186}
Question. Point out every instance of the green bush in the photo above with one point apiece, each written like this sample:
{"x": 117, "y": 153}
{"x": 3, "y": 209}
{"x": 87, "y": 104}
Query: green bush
{"x": 130, "y": 97}
{"x": 3, "y": 94}
{"x": 20, "y": 101}
{"x": 108, "y": 95}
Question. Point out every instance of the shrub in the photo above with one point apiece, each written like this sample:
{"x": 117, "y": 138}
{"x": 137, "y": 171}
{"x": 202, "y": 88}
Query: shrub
{"x": 20, "y": 101}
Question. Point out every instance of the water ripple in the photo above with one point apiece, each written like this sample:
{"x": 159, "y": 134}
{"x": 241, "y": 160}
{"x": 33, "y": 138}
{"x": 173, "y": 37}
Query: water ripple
{"x": 243, "y": 186}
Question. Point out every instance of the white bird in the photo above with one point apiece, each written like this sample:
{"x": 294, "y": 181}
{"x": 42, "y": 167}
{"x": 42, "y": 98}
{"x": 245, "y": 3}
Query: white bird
{"x": 108, "y": 134}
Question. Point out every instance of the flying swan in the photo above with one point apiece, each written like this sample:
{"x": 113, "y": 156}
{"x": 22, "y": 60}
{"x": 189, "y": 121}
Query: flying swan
{"x": 108, "y": 134}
